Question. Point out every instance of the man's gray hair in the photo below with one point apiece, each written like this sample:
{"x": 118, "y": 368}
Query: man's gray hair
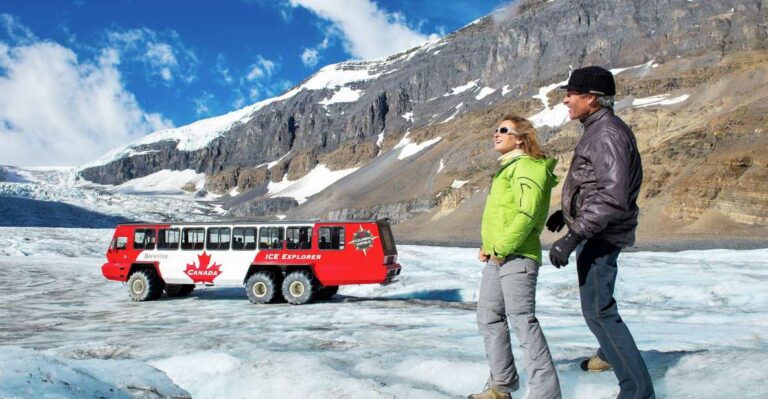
{"x": 606, "y": 101}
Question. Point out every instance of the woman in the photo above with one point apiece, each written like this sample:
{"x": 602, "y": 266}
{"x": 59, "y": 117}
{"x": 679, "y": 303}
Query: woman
{"x": 513, "y": 219}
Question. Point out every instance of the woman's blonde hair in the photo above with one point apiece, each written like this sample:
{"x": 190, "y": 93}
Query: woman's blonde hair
{"x": 528, "y": 134}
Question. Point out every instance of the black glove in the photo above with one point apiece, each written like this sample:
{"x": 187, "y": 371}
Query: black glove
{"x": 556, "y": 222}
{"x": 562, "y": 248}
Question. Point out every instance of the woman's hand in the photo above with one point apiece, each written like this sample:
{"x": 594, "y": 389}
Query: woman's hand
{"x": 482, "y": 256}
{"x": 496, "y": 261}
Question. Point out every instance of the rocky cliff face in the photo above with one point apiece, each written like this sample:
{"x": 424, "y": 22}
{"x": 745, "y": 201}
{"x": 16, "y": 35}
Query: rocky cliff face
{"x": 457, "y": 88}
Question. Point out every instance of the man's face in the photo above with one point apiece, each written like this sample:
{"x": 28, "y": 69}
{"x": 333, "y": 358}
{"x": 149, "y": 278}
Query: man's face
{"x": 579, "y": 105}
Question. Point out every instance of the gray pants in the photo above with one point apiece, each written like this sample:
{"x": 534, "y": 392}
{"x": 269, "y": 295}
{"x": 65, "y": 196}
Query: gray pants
{"x": 506, "y": 292}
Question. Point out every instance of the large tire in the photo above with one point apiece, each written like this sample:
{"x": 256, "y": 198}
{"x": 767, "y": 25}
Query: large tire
{"x": 261, "y": 288}
{"x": 179, "y": 290}
{"x": 327, "y": 292}
{"x": 145, "y": 285}
{"x": 298, "y": 288}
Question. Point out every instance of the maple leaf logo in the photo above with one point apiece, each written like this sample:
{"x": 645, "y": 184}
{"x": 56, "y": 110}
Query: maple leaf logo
{"x": 203, "y": 273}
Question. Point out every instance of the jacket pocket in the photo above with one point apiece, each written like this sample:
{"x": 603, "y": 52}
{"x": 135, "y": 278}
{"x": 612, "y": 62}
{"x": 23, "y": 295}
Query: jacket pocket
{"x": 575, "y": 202}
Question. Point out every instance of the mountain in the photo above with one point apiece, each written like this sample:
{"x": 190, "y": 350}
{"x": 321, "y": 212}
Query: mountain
{"x": 408, "y": 136}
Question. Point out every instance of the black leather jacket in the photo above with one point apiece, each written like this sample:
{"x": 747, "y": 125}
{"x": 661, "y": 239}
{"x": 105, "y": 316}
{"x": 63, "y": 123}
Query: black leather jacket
{"x": 600, "y": 193}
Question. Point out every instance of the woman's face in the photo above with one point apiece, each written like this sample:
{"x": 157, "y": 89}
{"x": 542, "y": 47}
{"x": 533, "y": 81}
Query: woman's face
{"x": 504, "y": 143}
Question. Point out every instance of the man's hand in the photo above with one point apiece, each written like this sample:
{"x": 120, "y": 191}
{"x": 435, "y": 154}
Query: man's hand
{"x": 482, "y": 256}
{"x": 562, "y": 248}
{"x": 556, "y": 222}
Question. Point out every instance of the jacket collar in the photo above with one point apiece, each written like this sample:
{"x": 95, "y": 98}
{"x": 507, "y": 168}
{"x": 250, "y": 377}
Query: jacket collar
{"x": 595, "y": 116}
{"x": 509, "y": 156}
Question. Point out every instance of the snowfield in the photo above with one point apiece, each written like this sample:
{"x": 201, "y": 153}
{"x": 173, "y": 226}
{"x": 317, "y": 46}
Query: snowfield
{"x": 699, "y": 317}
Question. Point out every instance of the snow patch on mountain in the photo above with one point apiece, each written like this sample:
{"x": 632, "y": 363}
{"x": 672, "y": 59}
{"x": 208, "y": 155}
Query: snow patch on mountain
{"x": 661, "y": 99}
{"x": 408, "y": 148}
{"x": 648, "y": 65}
{"x": 337, "y": 75}
{"x": 461, "y": 89}
{"x": 484, "y": 92}
{"x": 342, "y": 95}
{"x": 457, "y": 109}
{"x": 165, "y": 182}
{"x": 312, "y": 183}
{"x": 553, "y": 117}
{"x": 459, "y": 183}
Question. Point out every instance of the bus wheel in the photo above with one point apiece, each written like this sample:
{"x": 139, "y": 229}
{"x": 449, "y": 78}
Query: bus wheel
{"x": 298, "y": 288}
{"x": 260, "y": 288}
{"x": 179, "y": 290}
{"x": 145, "y": 285}
{"x": 327, "y": 292}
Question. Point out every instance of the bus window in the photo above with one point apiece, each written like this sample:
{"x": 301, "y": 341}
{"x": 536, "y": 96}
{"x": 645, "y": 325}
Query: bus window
{"x": 244, "y": 238}
{"x": 120, "y": 243}
{"x": 331, "y": 238}
{"x": 193, "y": 238}
{"x": 298, "y": 238}
{"x": 144, "y": 239}
{"x": 168, "y": 239}
{"x": 271, "y": 238}
{"x": 218, "y": 238}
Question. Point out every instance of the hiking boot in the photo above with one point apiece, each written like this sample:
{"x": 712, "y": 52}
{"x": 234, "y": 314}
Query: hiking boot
{"x": 595, "y": 363}
{"x": 490, "y": 393}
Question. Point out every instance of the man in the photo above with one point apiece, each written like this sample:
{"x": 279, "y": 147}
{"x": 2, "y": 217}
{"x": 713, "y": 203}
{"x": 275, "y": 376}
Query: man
{"x": 599, "y": 206}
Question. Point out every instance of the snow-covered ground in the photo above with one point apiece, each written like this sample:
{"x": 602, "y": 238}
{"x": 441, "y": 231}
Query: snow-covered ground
{"x": 699, "y": 317}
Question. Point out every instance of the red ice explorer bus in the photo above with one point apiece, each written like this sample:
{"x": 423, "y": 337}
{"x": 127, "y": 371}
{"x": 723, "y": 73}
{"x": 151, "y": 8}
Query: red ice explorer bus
{"x": 297, "y": 261}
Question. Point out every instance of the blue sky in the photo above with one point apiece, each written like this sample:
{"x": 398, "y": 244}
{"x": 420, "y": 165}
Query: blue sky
{"x": 95, "y": 74}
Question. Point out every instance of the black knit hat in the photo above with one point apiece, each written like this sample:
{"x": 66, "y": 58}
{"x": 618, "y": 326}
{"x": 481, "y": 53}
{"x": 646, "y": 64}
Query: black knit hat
{"x": 592, "y": 79}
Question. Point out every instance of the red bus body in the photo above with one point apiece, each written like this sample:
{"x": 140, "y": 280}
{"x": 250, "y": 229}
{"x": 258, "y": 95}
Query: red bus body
{"x": 362, "y": 252}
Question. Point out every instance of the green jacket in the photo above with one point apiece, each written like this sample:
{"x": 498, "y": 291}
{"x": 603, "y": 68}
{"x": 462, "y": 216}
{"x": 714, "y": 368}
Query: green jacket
{"x": 517, "y": 207}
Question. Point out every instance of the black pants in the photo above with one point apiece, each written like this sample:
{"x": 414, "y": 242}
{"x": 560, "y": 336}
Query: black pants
{"x": 597, "y": 277}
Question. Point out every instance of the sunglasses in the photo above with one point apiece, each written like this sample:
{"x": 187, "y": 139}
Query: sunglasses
{"x": 505, "y": 130}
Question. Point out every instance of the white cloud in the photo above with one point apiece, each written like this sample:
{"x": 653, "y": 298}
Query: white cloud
{"x": 58, "y": 110}
{"x": 309, "y": 57}
{"x": 262, "y": 68}
{"x": 223, "y": 70}
{"x": 202, "y": 107}
{"x": 162, "y": 58}
{"x": 368, "y": 31}
{"x": 255, "y": 73}
{"x": 15, "y": 29}
{"x": 163, "y": 54}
